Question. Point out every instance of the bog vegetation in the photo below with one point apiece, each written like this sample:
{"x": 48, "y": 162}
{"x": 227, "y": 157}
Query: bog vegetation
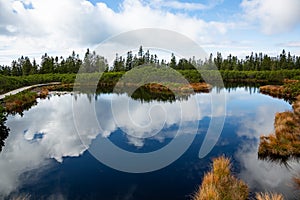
{"x": 220, "y": 184}
{"x": 256, "y": 67}
{"x": 284, "y": 143}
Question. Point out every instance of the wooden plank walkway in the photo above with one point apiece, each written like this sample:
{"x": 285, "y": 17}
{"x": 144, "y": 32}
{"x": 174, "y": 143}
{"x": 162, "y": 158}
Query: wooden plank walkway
{"x": 16, "y": 91}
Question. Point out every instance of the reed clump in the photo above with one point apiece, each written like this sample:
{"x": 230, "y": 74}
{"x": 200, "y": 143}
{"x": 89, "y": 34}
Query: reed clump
{"x": 274, "y": 90}
{"x": 285, "y": 141}
{"x": 219, "y": 184}
{"x": 269, "y": 196}
{"x": 289, "y": 90}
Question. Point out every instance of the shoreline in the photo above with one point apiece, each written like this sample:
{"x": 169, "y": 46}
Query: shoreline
{"x": 16, "y": 91}
{"x": 284, "y": 142}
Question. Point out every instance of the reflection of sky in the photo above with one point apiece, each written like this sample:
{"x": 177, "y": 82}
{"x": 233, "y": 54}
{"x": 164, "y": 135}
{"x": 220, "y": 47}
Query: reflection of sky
{"x": 258, "y": 114}
{"x": 47, "y": 131}
{"x": 263, "y": 175}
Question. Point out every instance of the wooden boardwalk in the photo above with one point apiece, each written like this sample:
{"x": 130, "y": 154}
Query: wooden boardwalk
{"x": 16, "y": 91}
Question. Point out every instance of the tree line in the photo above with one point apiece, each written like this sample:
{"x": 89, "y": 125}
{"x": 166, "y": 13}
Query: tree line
{"x": 95, "y": 63}
{"x": 23, "y": 66}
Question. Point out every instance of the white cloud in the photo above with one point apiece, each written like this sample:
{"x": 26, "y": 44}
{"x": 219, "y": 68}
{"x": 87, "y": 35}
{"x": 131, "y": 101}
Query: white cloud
{"x": 188, "y": 6}
{"x": 259, "y": 174}
{"x": 64, "y": 25}
{"x": 273, "y": 16}
{"x": 260, "y": 124}
{"x": 34, "y": 27}
{"x": 290, "y": 44}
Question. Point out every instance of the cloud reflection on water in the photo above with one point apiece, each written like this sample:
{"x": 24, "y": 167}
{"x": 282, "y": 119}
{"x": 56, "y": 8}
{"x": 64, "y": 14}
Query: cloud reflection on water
{"x": 52, "y": 120}
{"x": 263, "y": 175}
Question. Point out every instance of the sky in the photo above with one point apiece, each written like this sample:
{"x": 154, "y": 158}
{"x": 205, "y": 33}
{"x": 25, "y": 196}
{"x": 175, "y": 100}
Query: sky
{"x": 57, "y": 27}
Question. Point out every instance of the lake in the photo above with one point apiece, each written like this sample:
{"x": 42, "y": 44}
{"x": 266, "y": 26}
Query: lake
{"x": 49, "y": 155}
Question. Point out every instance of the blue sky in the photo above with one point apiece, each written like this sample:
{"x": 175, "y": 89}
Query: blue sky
{"x": 33, "y": 27}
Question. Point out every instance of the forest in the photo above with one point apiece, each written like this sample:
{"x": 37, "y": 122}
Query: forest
{"x": 92, "y": 62}
{"x": 255, "y": 68}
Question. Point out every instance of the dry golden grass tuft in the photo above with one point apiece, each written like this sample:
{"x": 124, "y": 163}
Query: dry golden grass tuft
{"x": 273, "y": 90}
{"x": 285, "y": 141}
{"x": 297, "y": 181}
{"x": 219, "y": 184}
{"x": 21, "y": 197}
{"x": 43, "y": 93}
{"x": 269, "y": 196}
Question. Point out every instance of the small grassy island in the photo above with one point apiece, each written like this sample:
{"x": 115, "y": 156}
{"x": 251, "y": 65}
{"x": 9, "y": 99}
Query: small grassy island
{"x": 284, "y": 143}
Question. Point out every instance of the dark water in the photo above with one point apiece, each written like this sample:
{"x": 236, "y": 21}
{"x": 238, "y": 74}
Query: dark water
{"x": 45, "y": 158}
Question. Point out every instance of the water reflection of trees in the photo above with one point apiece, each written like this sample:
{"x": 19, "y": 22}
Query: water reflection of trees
{"x": 142, "y": 94}
{"x": 252, "y": 88}
{"x": 146, "y": 95}
{"x": 4, "y": 130}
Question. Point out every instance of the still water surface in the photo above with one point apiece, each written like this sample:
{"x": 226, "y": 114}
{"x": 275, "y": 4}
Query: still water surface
{"x": 45, "y": 158}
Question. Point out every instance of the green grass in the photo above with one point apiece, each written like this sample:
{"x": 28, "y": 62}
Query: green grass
{"x": 293, "y": 89}
{"x": 8, "y": 83}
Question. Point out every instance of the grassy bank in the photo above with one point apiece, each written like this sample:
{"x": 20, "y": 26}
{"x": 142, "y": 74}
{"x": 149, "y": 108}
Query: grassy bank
{"x": 290, "y": 89}
{"x": 22, "y": 101}
{"x": 284, "y": 143}
{"x": 8, "y": 83}
{"x": 19, "y": 102}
